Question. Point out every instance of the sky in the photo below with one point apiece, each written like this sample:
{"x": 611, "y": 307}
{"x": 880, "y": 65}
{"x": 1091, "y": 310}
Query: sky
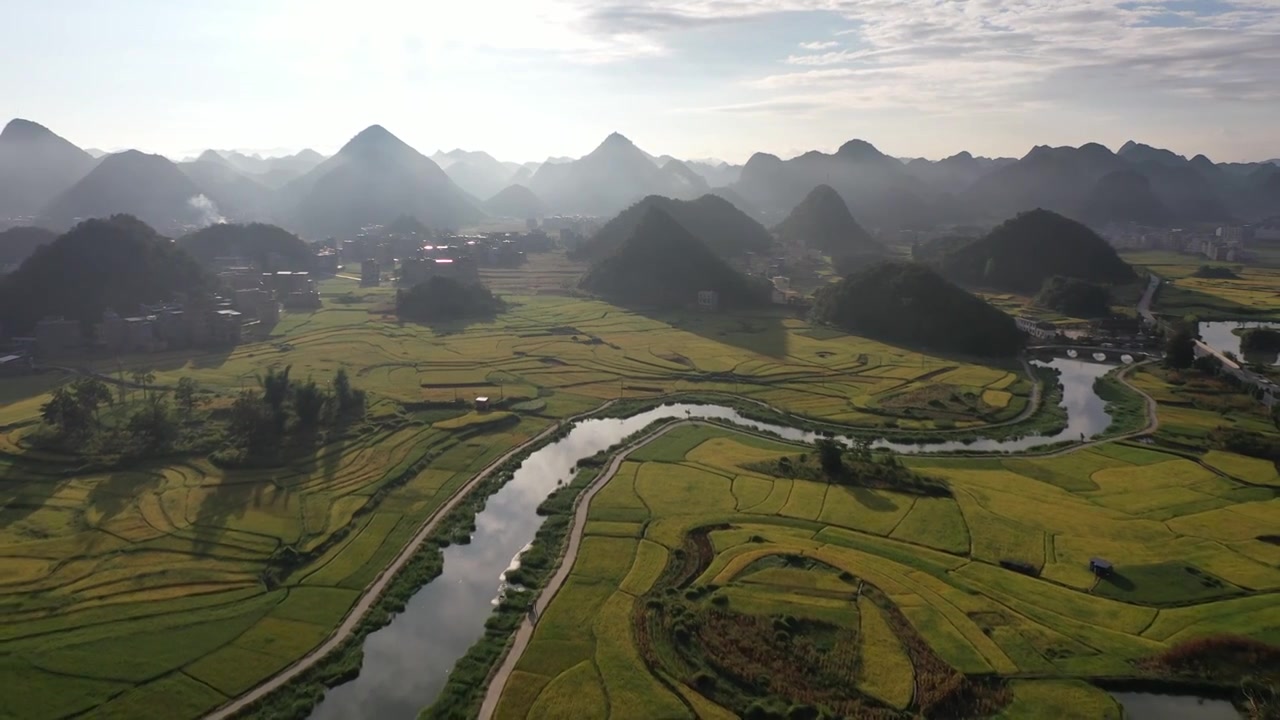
{"x": 527, "y": 79}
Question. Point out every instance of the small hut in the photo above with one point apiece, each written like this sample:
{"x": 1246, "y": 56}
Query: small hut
{"x": 1100, "y": 567}
{"x": 482, "y": 403}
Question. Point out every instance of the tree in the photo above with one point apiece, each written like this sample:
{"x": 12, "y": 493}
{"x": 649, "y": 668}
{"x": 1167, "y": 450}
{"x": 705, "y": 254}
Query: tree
{"x": 275, "y": 392}
{"x": 143, "y": 378}
{"x": 152, "y": 426}
{"x": 350, "y": 400}
{"x": 91, "y": 394}
{"x": 65, "y": 413}
{"x": 251, "y": 422}
{"x": 1180, "y": 349}
{"x": 186, "y": 394}
{"x": 309, "y": 402}
{"x": 830, "y": 456}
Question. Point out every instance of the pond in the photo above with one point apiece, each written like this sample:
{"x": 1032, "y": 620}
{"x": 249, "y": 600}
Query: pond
{"x": 1153, "y": 706}
{"x": 1221, "y": 335}
{"x": 407, "y": 662}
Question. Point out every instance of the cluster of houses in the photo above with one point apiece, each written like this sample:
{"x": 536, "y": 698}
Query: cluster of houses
{"x": 1228, "y": 243}
{"x": 421, "y": 256}
{"x": 251, "y": 298}
{"x": 215, "y": 323}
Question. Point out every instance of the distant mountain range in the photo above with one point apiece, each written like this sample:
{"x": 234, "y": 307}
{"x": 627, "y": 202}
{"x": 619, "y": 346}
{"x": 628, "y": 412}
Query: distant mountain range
{"x": 35, "y": 166}
{"x": 376, "y": 178}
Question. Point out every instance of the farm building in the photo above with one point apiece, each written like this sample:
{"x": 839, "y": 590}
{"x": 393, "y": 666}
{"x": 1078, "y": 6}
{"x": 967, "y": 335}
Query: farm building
{"x": 1100, "y": 567}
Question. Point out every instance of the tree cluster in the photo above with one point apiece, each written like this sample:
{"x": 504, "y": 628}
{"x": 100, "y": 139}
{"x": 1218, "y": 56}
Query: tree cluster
{"x": 261, "y": 419}
{"x": 1260, "y": 340}
{"x": 1180, "y": 348}
{"x": 1211, "y": 272}
{"x": 143, "y": 425}
{"x": 909, "y": 304}
{"x": 444, "y": 299}
{"x": 855, "y": 465}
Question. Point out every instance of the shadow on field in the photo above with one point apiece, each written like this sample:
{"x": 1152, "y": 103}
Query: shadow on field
{"x": 872, "y": 501}
{"x": 23, "y": 493}
{"x": 1119, "y": 581}
{"x": 762, "y": 333}
{"x": 111, "y": 496}
{"x": 229, "y": 501}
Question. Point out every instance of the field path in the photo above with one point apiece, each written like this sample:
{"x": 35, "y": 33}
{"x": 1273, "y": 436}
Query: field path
{"x": 498, "y": 680}
{"x": 375, "y": 589}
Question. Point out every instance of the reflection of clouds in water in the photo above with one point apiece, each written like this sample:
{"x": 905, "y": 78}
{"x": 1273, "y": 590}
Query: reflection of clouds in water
{"x": 1222, "y": 337}
{"x": 406, "y": 663}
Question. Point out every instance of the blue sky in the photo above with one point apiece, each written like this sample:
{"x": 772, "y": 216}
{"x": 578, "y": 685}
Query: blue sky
{"x": 524, "y": 79}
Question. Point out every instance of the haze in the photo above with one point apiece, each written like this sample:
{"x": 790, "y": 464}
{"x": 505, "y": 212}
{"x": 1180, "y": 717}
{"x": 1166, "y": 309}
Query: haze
{"x": 526, "y": 80}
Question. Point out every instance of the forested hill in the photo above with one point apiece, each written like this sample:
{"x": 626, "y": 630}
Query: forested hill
{"x": 1024, "y": 251}
{"x": 721, "y": 226}
{"x": 909, "y": 304}
{"x": 267, "y": 246}
{"x": 664, "y": 265}
{"x": 822, "y": 221}
{"x": 115, "y": 263}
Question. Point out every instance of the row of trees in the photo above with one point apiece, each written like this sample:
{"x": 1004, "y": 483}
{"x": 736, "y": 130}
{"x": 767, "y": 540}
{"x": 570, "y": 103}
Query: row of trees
{"x": 261, "y": 418}
{"x": 86, "y": 414}
{"x": 74, "y": 413}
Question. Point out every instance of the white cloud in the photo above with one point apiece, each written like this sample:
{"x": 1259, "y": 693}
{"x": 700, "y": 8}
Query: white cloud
{"x": 1228, "y": 49}
{"x": 818, "y": 45}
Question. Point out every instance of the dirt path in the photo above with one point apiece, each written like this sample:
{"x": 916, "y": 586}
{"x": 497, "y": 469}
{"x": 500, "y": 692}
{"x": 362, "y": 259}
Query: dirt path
{"x": 375, "y": 590}
{"x": 499, "y": 679}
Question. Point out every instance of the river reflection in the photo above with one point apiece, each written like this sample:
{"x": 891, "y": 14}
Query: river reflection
{"x": 1221, "y": 336}
{"x": 407, "y": 662}
{"x": 1151, "y": 706}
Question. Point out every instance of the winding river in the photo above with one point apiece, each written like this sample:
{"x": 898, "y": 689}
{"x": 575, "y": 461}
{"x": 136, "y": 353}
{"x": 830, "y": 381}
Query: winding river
{"x": 407, "y": 662}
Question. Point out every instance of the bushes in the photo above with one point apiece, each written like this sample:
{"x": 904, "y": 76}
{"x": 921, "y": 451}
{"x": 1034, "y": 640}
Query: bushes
{"x": 1218, "y": 658}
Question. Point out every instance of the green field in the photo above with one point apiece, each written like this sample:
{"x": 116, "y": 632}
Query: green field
{"x": 181, "y": 583}
{"x": 874, "y": 603}
{"x": 1253, "y": 295}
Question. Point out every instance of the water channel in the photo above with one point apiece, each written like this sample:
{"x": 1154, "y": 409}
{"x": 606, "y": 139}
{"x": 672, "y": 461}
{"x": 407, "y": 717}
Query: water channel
{"x": 1153, "y": 706}
{"x": 406, "y": 663}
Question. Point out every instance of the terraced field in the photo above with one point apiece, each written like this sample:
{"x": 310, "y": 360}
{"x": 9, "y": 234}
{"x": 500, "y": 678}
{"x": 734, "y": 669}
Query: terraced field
{"x": 178, "y": 583}
{"x": 734, "y": 590}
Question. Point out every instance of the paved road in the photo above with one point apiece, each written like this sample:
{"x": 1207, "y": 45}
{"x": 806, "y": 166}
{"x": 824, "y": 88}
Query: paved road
{"x": 1144, "y": 305}
{"x": 373, "y": 591}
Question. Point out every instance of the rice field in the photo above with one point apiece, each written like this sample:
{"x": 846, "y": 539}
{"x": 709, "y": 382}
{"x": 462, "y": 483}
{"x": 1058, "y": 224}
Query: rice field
{"x": 895, "y": 584}
{"x": 182, "y": 583}
{"x": 1251, "y": 294}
